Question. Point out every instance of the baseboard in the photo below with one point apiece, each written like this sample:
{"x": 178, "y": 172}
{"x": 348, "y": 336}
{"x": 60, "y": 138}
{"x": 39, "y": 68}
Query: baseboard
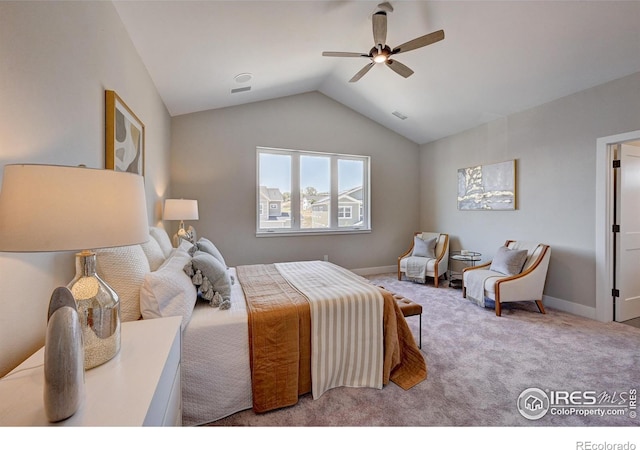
{"x": 375, "y": 270}
{"x": 569, "y": 307}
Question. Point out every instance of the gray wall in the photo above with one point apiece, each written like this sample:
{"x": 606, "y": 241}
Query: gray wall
{"x": 213, "y": 160}
{"x": 555, "y": 148}
{"x": 57, "y": 60}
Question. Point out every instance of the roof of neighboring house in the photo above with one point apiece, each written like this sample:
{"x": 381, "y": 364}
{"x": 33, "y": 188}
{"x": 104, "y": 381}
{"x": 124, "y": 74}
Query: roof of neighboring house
{"x": 348, "y": 193}
{"x": 271, "y": 194}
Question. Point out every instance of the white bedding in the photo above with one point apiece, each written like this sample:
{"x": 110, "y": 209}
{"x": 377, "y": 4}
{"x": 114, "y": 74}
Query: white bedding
{"x": 215, "y": 361}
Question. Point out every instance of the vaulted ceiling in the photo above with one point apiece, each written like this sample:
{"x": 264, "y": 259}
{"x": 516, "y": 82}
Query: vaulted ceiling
{"x": 497, "y": 57}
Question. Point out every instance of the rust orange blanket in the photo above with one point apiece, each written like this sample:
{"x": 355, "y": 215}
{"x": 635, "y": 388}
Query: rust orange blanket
{"x": 280, "y": 340}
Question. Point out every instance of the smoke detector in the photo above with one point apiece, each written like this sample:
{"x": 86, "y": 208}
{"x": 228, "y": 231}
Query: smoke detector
{"x": 243, "y": 77}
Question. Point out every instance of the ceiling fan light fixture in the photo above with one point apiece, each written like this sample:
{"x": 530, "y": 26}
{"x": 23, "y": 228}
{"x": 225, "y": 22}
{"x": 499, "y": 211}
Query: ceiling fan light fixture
{"x": 380, "y": 58}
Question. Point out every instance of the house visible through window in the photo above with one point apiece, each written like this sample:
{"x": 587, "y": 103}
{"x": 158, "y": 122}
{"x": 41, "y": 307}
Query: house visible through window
{"x": 311, "y": 192}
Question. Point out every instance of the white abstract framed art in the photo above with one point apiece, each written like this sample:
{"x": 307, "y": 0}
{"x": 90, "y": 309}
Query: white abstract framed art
{"x": 489, "y": 187}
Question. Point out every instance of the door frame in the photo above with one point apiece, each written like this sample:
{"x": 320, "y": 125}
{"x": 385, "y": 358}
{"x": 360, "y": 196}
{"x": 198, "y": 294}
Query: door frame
{"x": 604, "y": 221}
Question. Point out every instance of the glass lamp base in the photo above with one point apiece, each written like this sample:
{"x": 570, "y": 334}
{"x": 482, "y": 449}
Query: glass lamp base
{"x": 98, "y": 310}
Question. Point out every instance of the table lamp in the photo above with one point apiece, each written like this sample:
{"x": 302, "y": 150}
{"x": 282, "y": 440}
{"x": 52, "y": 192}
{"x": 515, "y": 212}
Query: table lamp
{"x": 47, "y": 208}
{"x": 181, "y": 209}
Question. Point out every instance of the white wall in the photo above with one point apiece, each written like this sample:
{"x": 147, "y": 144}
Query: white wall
{"x": 213, "y": 160}
{"x": 555, "y": 148}
{"x": 57, "y": 60}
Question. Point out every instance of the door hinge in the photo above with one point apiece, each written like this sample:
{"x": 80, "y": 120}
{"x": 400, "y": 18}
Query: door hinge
{"x": 615, "y": 228}
{"x": 616, "y": 163}
{"x": 615, "y": 293}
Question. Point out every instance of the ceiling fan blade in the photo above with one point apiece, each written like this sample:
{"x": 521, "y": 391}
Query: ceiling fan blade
{"x": 360, "y": 74}
{"x": 419, "y": 42}
{"x": 379, "y": 21}
{"x": 344, "y": 54}
{"x": 399, "y": 68}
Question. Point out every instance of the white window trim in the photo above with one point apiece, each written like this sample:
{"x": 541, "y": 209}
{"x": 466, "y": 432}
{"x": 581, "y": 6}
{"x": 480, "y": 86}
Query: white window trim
{"x": 295, "y": 195}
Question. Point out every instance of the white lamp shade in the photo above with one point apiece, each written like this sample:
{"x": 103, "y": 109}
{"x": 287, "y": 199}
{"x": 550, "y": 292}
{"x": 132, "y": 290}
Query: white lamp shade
{"x": 180, "y": 209}
{"x": 56, "y": 208}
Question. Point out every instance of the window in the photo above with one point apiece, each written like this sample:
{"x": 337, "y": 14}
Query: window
{"x": 344, "y": 212}
{"x": 300, "y": 192}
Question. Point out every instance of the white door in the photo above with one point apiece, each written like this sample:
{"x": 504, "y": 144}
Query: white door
{"x": 628, "y": 251}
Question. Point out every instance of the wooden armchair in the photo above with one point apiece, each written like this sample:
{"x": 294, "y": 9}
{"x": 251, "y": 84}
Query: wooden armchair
{"x": 417, "y": 265}
{"x": 525, "y": 285}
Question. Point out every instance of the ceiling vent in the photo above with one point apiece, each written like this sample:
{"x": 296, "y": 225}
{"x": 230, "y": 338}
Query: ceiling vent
{"x": 399, "y": 115}
{"x": 241, "y": 89}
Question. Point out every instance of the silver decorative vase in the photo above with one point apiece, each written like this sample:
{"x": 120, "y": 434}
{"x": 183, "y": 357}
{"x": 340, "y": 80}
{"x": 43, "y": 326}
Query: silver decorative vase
{"x": 63, "y": 358}
{"x": 99, "y": 312}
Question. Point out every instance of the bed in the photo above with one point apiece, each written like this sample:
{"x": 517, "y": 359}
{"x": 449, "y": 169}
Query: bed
{"x": 263, "y": 338}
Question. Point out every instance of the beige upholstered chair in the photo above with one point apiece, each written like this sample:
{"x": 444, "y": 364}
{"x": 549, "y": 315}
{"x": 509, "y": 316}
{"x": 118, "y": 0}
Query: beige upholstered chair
{"x": 526, "y": 284}
{"x": 417, "y": 266}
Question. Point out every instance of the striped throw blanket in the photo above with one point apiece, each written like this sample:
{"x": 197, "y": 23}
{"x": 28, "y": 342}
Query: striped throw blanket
{"x": 282, "y": 333}
{"x": 346, "y": 325}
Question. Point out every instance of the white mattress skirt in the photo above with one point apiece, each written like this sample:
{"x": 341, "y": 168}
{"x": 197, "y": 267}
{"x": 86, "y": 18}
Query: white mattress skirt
{"x": 216, "y": 378}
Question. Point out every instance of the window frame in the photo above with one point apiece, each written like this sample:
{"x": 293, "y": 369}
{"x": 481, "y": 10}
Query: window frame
{"x": 295, "y": 199}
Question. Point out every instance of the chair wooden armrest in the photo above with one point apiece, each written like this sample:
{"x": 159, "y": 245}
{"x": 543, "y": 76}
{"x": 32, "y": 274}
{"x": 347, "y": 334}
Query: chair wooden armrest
{"x": 481, "y": 266}
{"x": 407, "y": 253}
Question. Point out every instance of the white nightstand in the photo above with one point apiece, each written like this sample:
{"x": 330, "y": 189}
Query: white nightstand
{"x": 140, "y": 386}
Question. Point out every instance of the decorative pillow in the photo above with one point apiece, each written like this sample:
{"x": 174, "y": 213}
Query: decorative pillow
{"x": 160, "y": 235}
{"x": 212, "y": 277}
{"x": 188, "y": 247}
{"x": 154, "y": 253}
{"x": 205, "y": 245}
{"x": 124, "y": 269}
{"x": 508, "y": 261}
{"x": 168, "y": 291}
{"x": 424, "y": 248}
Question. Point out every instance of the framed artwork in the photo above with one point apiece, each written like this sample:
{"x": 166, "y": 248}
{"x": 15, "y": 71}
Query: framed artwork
{"x": 491, "y": 187}
{"x": 124, "y": 136}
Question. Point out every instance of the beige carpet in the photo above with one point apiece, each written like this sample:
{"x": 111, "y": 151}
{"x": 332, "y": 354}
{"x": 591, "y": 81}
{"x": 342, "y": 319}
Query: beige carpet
{"x": 479, "y": 364}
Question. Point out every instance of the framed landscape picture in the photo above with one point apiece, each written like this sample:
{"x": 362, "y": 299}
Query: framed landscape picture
{"x": 124, "y": 135}
{"x": 491, "y": 187}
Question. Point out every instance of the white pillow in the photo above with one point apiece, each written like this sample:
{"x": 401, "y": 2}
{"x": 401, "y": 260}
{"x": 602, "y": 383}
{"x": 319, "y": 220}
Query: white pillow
{"x": 160, "y": 235}
{"x": 187, "y": 247}
{"x": 169, "y": 291}
{"x": 124, "y": 268}
{"x": 154, "y": 253}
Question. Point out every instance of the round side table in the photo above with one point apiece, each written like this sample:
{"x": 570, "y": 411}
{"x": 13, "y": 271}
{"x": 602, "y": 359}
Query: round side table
{"x": 467, "y": 259}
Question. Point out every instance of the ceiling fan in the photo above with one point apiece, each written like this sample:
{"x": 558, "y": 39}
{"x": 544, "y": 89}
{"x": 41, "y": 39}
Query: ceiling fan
{"x": 381, "y": 52}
